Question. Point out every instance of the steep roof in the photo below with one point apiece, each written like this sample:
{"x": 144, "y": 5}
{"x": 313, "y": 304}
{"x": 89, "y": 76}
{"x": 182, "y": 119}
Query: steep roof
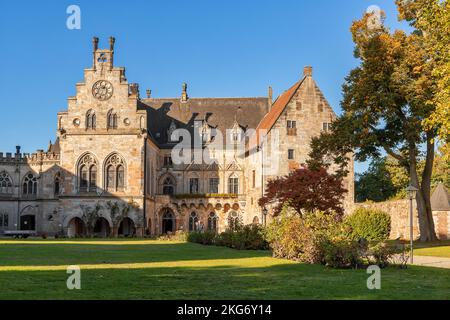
{"x": 54, "y": 147}
{"x": 220, "y": 113}
{"x": 440, "y": 200}
{"x": 277, "y": 108}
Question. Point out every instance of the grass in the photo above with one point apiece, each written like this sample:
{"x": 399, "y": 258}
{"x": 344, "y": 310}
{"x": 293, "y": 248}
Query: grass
{"x": 144, "y": 269}
{"x": 436, "y": 249}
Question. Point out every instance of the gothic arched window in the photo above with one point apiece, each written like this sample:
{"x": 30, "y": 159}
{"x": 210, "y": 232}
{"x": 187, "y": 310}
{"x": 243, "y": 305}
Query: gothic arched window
{"x": 5, "y": 183}
{"x": 115, "y": 173}
{"x": 168, "y": 186}
{"x": 233, "y": 184}
{"x": 193, "y": 222}
{"x": 57, "y": 184}
{"x": 91, "y": 120}
{"x": 234, "y": 221}
{"x": 212, "y": 222}
{"x": 29, "y": 186}
{"x": 112, "y": 120}
{"x": 87, "y": 173}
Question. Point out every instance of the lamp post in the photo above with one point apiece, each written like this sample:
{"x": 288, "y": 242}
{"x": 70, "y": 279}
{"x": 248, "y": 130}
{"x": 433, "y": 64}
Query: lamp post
{"x": 265, "y": 212}
{"x": 412, "y": 191}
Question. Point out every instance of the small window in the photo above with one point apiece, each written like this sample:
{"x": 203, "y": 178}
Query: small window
{"x": 291, "y": 128}
{"x": 193, "y": 185}
{"x": 167, "y": 161}
{"x": 112, "y": 120}
{"x": 91, "y": 120}
{"x": 4, "y": 220}
{"x": 291, "y": 154}
{"x": 326, "y": 127}
{"x": 291, "y": 124}
{"x": 57, "y": 185}
{"x": 213, "y": 185}
{"x": 233, "y": 185}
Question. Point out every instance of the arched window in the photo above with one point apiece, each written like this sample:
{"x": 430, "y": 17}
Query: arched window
{"x": 234, "y": 221}
{"x": 29, "y": 186}
{"x": 57, "y": 184}
{"x": 255, "y": 220}
{"x": 212, "y": 222}
{"x": 5, "y": 183}
{"x": 193, "y": 222}
{"x": 115, "y": 173}
{"x": 233, "y": 184}
{"x": 168, "y": 186}
{"x": 87, "y": 173}
{"x": 112, "y": 120}
{"x": 91, "y": 120}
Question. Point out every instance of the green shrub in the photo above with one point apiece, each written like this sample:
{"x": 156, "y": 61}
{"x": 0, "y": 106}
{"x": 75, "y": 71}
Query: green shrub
{"x": 206, "y": 237}
{"x": 372, "y": 225}
{"x": 302, "y": 238}
{"x": 250, "y": 237}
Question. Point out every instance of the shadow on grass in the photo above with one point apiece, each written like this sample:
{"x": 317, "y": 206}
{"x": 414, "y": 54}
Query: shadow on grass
{"x": 283, "y": 281}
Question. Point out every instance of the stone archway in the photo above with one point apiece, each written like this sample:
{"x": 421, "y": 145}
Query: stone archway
{"x": 76, "y": 228}
{"x": 168, "y": 222}
{"x": 102, "y": 228}
{"x": 127, "y": 228}
{"x": 28, "y": 222}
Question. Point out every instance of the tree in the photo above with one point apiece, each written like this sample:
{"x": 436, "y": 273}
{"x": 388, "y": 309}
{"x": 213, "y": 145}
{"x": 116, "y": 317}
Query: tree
{"x": 376, "y": 183}
{"x": 431, "y": 19}
{"x": 305, "y": 190}
{"x": 386, "y": 99}
{"x": 386, "y": 179}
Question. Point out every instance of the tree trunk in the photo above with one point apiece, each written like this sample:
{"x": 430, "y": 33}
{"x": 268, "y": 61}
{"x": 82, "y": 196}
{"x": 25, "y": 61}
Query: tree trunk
{"x": 423, "y": 199}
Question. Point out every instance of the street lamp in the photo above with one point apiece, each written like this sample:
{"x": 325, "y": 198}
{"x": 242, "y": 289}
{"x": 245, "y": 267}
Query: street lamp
{"x": 265, "y": 212}
{"x": 412, "y": 191}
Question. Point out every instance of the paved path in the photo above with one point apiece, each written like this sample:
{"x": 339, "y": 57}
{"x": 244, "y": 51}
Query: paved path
{"x": 438, "y": 262}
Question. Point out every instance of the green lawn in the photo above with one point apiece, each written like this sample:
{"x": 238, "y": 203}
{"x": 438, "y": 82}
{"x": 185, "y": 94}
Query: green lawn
{"x": 435, "y": 251}
{"x": 174, "y": 270}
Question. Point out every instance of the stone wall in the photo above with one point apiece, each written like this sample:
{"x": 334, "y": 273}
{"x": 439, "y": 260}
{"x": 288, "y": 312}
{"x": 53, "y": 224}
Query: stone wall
{"x": 400, "y": 220}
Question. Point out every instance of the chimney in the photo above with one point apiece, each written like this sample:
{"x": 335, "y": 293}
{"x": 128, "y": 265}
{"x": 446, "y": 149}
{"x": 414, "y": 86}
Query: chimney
{"x": 184, "y": 95}
{"x": 134, "y": 90}
{"x": 149, "y": 93}
{"x": 112, "y": 40}
{"x": 308, "y": 71}
{"x": 270, "y": 97}
{"x": 95, "y": 43}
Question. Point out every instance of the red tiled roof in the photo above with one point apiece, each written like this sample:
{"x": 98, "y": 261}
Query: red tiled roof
{"x": 277, "y": 108}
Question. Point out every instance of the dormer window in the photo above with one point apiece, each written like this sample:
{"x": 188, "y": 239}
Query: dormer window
{"x": 170, "y": 131}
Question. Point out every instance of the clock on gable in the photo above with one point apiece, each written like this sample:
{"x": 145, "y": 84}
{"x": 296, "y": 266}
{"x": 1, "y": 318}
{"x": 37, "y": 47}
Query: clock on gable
{"x": 102, "y": 90}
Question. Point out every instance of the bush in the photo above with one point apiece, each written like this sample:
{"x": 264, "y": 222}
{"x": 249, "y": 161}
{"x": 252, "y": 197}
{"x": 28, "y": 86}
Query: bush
{"x": 372, "y": 225}
{"x": 249, "y": 237}
{"x": 322, "y": 238}
{"x": 303, "y": 239}
{"x": 205, "y": 238}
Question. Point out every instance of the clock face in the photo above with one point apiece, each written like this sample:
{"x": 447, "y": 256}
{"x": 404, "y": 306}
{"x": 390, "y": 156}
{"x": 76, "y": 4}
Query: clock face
{"x": 102, "y": 90}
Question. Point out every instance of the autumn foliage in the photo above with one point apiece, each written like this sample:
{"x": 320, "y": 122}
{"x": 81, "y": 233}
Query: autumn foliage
{"x": 305, "y": 190}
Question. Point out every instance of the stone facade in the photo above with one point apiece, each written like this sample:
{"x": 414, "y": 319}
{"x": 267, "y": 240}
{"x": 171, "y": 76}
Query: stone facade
{"x": 110, "y": 171}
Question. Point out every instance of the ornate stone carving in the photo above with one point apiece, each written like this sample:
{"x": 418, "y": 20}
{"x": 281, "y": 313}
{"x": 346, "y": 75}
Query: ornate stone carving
{"x": 102, "y": 90}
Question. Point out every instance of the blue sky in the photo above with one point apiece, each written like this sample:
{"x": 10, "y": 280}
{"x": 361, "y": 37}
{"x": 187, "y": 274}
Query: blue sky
{"x": 220, "y": 48}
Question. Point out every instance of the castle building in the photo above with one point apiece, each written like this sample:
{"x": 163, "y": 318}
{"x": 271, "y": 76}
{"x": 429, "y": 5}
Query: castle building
{"x": 112, "y": 169}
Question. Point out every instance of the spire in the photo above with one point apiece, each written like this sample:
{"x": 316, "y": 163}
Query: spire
{"x": 184, "y": 95}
